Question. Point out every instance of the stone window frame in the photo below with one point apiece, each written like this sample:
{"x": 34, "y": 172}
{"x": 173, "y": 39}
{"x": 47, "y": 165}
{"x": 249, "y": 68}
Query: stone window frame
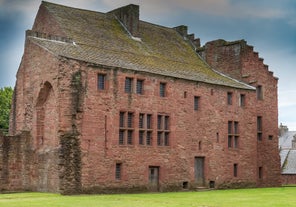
{"x": 259, "y": 92}
{"x": 259, "y": 128}
{"x": 163, "y": 130}
{"x": 101, "y": 83}
{"x": 242, "y": 100}
{"x": 235, "y": 170}
{"x": 128, "y": 85}
{"x": 229, "y": 98}
{"x": 196, "y": 104}
{"x": 140, "y": 86}
{"x": 233, "y": 134}
{"x": 126, "y": 128}
{"x": 118, "y": 171}
{"x": 260, "y": 172}
{"x": 145, "y": 129}
{"x": 163, "y": 89}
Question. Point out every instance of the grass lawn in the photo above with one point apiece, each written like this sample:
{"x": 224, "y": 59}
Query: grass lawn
{"x": 261, "y": 197}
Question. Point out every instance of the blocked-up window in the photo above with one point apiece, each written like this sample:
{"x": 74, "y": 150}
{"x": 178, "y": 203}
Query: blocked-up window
{"x": 163, "y": 130}
{"x": 126, "y": 128}
{"x": 145, "y": 129}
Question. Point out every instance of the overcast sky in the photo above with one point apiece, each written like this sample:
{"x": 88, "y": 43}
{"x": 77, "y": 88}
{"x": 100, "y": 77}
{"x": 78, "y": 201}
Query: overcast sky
{"x": 268, "y": 25}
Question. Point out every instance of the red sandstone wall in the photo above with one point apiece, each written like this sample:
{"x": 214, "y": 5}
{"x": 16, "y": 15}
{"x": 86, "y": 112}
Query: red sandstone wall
{"x": 100, "y": 128}
{"x": 288, "y": 179}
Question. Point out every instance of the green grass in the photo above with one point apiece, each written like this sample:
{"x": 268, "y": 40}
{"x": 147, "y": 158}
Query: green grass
{"x": 269, "y": 197}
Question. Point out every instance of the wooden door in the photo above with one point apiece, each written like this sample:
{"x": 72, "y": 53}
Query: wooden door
{"x": 199, "y": 170}
{"x": 153, "y": 178}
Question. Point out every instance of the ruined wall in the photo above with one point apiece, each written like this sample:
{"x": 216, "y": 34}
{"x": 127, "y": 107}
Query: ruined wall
{"x": 45, "y": 89}
{"x": 239, "y": 60}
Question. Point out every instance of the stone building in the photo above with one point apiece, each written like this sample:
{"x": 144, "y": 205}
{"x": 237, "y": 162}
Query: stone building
{"x": 287, "y": 144}
{"x": 105, "y": 102}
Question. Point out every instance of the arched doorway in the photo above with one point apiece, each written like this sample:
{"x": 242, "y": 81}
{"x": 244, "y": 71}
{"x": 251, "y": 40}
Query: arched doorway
{"x": 46, "y": 140}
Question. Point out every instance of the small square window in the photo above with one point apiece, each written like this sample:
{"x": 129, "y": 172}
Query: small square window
{"x": 162, "y": 89}
{"x": 101, "y": 81}
{"x": 270, "y": 137}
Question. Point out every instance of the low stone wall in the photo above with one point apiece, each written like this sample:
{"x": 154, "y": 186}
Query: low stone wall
{"x": 288, "y": 179}
{"x": 24, "y": 168}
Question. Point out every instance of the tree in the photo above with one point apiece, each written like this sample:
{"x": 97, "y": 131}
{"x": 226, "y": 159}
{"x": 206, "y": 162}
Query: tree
{"x": 5, "y": 105}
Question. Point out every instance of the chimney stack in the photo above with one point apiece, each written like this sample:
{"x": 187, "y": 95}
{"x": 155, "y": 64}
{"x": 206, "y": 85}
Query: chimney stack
{"x": 129, "y": 17}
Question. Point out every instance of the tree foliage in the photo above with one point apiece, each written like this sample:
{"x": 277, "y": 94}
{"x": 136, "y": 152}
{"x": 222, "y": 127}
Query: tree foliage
{"x": 5, "y": 105}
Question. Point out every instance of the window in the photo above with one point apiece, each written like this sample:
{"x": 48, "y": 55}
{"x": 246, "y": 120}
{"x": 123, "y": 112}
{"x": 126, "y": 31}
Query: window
{"x": 260, "y": 173}
{"x": 145, "y": 129}
{"x": 101, "y": 81}
{"x": 163, "y": 132}
{"x": 235, "y": 169}
{"x": 233, "y": 134}
{"x": 196, "y": 103}
{"x": 139, "y": 88}
{"x": 162, "y": 89}
{"x": 229, "y": 98}
{"x": 259, "y": 128}
{"x": 126, "y": 128}
{"x": 118, "y": 171}
{"x": 128, "y": 85}
{"x": 242, "y": 100}
{"x": 270, "y": 137}
{"x": 259, "y": 92}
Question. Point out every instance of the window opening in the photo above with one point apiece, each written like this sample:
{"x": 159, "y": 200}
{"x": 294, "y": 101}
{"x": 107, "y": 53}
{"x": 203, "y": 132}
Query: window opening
{"x": 162, "y": 89}
{"x": 163, "y": 131}
{"x": 101, "y": 81}
{"x": 128, "y": 85}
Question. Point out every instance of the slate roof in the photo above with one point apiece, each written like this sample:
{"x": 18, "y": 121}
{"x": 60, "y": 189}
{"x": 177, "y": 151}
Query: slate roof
{"x": 287, "y": 153}
{"x": 100, "y": 39}
{"x": 289, "y": 166}
{"x": 285, "y": 141}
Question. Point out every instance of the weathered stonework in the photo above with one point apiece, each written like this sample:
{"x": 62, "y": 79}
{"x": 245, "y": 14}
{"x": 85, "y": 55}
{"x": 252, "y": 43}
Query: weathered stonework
{"x": 65, "y": 131}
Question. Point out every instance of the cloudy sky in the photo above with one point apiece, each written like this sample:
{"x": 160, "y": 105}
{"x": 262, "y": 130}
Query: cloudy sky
{"x": 268, "y": 25}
